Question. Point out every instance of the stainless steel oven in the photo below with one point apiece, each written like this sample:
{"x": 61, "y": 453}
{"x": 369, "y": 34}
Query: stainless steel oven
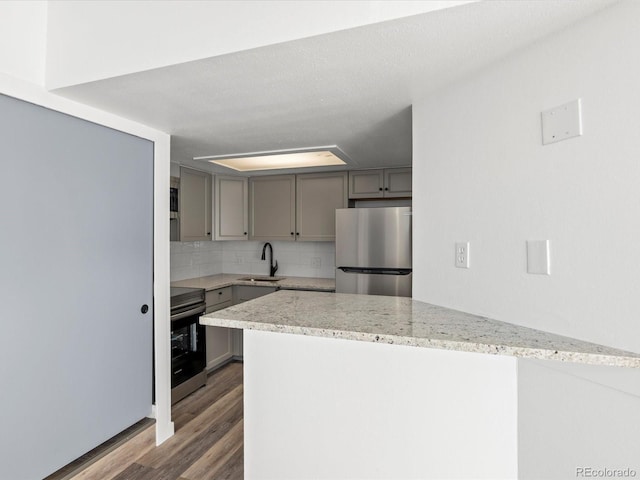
{"x": 188, "y": 354}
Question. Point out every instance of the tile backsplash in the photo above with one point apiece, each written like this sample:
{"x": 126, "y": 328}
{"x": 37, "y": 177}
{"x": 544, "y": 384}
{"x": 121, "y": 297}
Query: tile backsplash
{"x": 195, "y": 259}
{"x": 296, "y": 259}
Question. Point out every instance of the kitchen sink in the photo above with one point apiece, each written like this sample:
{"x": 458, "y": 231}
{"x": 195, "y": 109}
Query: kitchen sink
{"x": 257, "y": 278}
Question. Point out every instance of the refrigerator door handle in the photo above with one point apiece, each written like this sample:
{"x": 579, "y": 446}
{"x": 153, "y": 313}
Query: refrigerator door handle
{"x": 376, "y": 271}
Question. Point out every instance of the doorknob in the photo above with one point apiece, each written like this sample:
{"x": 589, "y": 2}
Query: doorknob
{"x": 145, "y": 308}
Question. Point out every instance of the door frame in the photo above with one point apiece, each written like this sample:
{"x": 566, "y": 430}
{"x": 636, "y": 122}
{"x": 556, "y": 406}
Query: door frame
{"x": 37, "y": 95}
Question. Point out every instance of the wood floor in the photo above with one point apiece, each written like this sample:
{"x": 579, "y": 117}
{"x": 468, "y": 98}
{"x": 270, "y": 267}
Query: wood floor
{"x": 208, "y": 443}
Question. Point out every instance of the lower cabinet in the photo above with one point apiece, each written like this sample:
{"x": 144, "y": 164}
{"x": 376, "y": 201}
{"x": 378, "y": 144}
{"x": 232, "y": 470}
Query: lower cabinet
{"x": 219, "y": 342}
{"x": 243, "y": 293}
{"x": 224, "y": 344}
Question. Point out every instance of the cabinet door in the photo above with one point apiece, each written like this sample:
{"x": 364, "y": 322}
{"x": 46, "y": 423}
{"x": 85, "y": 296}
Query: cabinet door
{"x": 218, "y": 345}
{"x": 272, "y": 215}
{"x": 366, "y": 184}
{"x": 397, "y": 182}
{"x": 317, "y": 197}
{"x": 218, "y": 296}
{"x": 218, "y": 340}
{"x": 195, "y": 205}
{"x": 232, "y": 208}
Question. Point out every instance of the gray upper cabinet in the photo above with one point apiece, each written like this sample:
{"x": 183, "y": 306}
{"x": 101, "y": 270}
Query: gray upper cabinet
{"x": 232, "y": 208}
{"x": 296, "y": 207}
{"x": 397, "y": 182}
{"x": 317, "y": 197}
{"x": 195, "y": 205}
{"x": 380, "y": 183}
{"x": 272, "y": 214}
{"x": 366, "y": 184}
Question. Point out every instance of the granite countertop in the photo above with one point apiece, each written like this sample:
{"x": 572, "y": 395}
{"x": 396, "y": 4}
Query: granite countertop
{"x": 212, "y": 282}
{"x": 403, "y": 321}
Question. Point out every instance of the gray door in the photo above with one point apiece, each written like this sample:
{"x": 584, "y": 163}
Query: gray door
{"x": 77, "y": 265}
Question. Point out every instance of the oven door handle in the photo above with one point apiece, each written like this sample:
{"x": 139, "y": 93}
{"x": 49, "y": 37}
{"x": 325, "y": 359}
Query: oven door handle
{"x": 188, "y": 313}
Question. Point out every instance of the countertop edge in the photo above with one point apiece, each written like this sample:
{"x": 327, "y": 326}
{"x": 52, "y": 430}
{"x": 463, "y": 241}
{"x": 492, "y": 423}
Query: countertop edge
{"x": 469, "y": 347}
{"x": 288, "y": 283}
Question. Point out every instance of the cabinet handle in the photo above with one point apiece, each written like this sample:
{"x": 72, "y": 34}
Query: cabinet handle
{"x": 245, "y": 233}
{"x": 291, "y": 233}
{"x": 386, "y": 188}
{"x": 219, "y": 293}
{"x": 297, "y": 233}
{"x": 380, "y": 188}
{"x": 208, "y": 233}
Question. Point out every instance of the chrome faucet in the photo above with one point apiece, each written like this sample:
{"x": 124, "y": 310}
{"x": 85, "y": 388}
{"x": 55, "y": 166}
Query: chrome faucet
{"x": 272, "y": 268}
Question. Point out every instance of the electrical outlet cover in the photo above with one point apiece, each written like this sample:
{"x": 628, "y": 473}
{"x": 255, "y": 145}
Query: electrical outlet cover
{"x": 561, "y": 123}
{"x": 462, "y": 254}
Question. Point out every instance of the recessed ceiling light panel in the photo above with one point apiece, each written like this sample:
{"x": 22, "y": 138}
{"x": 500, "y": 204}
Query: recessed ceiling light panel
{"x": 279, "y": 159}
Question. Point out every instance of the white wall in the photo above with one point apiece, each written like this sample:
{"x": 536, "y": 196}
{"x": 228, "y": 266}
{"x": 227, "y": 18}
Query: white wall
{"x": 23, "y": 27}
{"x": 568, "y": 420}
{"x": 297, "y": 259}
{"x": 342, "y": 409}
{"x": 82, "y": 45}
{"x": 481, "y": 174}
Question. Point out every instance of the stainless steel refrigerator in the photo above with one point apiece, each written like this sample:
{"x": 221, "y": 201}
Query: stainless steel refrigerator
{"x": 373, "y": 251}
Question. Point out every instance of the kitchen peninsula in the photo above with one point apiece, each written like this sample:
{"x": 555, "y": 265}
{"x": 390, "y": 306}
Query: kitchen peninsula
{"x": 355, "y": 386}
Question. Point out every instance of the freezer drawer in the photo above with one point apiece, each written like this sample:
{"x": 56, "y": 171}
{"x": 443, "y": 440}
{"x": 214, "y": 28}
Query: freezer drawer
{"x": 373, "y": 284}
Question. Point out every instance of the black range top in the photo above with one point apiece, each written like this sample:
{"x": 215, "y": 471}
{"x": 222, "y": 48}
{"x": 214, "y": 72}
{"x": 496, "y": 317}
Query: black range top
{"x": 183, "y": 296}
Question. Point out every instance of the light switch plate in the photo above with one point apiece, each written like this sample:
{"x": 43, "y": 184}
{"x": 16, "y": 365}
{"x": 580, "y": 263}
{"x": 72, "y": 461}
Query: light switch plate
{"x": 561, "y": 123}
{"x": 538, "y": 258}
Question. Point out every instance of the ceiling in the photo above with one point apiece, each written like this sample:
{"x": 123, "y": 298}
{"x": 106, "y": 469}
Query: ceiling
{"x": 352, "y": 88}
